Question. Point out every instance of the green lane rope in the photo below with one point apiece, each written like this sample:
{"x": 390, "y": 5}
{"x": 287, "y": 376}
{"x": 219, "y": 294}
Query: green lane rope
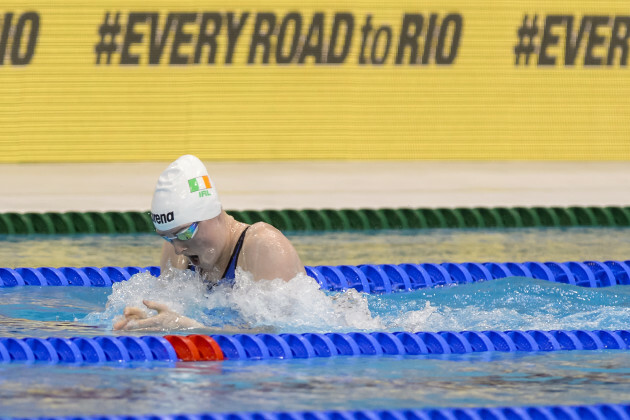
{"x": 318, "y": 220}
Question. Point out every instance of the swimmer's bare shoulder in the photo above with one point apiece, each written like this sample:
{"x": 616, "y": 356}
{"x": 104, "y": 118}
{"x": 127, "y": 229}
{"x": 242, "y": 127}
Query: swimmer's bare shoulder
{"x": 268, "y": 254}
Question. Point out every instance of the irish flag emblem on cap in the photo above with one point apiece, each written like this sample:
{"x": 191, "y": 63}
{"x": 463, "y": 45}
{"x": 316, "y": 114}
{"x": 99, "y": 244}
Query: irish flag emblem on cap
{"x": 199, "y": 183}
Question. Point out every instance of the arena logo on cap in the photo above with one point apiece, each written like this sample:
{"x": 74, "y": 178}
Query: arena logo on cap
{"x": 163, "y": 218}
{"x": 200, "y": 184}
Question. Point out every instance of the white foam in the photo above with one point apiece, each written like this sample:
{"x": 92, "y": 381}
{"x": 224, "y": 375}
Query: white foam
{"x": 294, "y": 306}
{"x": 300, "y": 305}
{"x": 181, "y": 290}
{"x": 418, "y": 320}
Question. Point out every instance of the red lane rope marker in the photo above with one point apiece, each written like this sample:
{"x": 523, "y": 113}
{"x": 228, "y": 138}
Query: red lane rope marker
{"x": 208, "y": 348}
{"x": 185, "y": 349}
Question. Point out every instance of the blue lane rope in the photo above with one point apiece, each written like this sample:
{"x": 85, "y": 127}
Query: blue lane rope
{"x": 102, "y": 349}
{"x": 368, "y": 278}
{"x": 85, "y": 350}
{"x": 560, "y": 412}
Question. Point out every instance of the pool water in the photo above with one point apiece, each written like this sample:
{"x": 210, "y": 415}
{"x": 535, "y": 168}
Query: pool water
{"x": 505, "y": 304}
{"x": 376, "y": 247}
{"x": 495, "y": 379}
{"x": 471, "y": 380}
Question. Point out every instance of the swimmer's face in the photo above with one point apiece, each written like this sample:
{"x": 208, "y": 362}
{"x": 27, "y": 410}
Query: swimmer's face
{"x": 204, "y": 248}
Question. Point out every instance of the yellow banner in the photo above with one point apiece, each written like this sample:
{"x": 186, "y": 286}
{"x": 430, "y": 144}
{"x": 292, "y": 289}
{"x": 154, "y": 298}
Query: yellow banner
{"x": 139, "y": 80}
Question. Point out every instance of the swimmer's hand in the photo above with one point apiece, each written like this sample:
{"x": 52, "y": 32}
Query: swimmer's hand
{"x": 136, "y": 319}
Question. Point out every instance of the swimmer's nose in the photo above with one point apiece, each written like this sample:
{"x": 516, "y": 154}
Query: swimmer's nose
{"x": 179, "y": 247}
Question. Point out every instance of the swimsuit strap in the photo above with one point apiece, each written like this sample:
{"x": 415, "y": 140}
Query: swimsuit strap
{"x": 229, "y": 273}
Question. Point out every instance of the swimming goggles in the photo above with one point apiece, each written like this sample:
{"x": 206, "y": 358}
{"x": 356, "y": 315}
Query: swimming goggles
{"x": 184, "y": 234}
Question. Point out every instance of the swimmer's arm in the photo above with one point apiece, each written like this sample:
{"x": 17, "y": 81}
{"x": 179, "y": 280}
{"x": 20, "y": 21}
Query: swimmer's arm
{"x": 268, "y": 254}
{"x": 136, "y": 319}
{"x": 170, "y": 259}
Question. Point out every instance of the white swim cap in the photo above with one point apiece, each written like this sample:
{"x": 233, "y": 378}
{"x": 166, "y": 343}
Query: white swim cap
{"x": 184, "y": 194}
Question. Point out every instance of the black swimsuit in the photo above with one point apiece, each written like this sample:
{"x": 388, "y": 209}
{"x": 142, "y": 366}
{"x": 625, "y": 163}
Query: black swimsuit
{"x": 230, "y": 271}
{"x": 229, "y": 275}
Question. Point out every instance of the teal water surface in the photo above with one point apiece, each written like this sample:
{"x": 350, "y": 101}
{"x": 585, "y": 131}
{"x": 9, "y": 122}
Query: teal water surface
{"x": 490, "y": 379}
{"x": 481, "y": 379}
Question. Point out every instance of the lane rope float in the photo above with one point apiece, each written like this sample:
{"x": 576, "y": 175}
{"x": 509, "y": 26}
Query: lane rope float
{"x": 307, "y": 220}
{"x": 559, "y": 412}
{"x": 367, "y": 278}
{"x": 217, "y": 347}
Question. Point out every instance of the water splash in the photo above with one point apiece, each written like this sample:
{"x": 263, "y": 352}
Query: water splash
{"x": 300, "y": 306}
{"x": 182, "y": 290}
{"x": 505, "y": 304}
{"x": 296, "y": 306}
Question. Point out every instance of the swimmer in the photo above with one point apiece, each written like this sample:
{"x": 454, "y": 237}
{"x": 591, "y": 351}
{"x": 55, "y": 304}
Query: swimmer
{"x": 187, "y": 213}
